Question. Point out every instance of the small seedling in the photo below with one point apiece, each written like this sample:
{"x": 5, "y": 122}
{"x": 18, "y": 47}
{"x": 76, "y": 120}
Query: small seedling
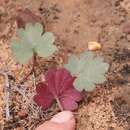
{"x": 32, "y": 41}
{"x": 88, "y": 69}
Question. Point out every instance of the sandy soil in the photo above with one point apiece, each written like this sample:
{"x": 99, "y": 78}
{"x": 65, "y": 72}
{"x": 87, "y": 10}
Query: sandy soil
{"x": 75, "y": 23}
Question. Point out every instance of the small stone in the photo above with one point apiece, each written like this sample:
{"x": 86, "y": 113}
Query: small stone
{"x": 93, "y": 46}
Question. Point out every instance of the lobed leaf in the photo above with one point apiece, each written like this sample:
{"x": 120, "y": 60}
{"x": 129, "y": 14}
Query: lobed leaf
{"x": 43, "y": 49}
{"x": 34, "y": 41}
{"x": 88, "y": 69}
{"x": 58, "y": 85}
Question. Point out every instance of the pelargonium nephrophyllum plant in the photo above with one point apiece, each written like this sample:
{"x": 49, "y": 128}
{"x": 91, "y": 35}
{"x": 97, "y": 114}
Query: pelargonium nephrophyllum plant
{"x": 63, "y": 85}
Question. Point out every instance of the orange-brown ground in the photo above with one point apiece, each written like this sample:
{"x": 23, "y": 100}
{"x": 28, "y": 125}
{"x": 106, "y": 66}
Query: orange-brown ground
{"x": 75, "y": 23}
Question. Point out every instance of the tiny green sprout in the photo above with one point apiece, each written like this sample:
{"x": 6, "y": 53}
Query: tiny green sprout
{"x": 32, "y": 41}
{"x": 88, "y": 69}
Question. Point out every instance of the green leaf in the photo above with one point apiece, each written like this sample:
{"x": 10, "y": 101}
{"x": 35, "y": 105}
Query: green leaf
{"x": 22, "y": 51}
{"x": 43, "y": 49}
{"x": 30, "y": 35}
{"x": 72, "y": 65}
{"x": 88, "y": 69}
{"x": 34, "y": 41}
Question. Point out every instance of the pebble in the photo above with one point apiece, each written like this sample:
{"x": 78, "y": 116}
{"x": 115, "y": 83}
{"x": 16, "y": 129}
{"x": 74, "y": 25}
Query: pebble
{"x": 93, "y": 46}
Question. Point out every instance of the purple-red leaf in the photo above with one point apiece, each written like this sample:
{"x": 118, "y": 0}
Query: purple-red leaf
{"x": 58, "y": 85}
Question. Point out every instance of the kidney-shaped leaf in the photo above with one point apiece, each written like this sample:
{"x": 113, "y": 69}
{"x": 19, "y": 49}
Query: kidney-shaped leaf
{"x": 58, "y": 85}
{"x": 88, "y": 69}
{"x": 32, "y": 40}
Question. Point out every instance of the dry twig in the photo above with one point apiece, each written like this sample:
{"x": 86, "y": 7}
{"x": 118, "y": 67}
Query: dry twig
{"x": 7, "y": 94}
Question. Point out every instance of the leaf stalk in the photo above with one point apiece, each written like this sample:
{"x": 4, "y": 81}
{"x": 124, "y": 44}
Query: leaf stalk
{"x": 59, "y": 104}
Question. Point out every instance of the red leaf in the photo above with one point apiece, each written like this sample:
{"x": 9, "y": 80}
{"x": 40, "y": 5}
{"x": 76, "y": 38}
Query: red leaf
{"x": 59, "y": 84}
{"x": 43, "y": 97}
